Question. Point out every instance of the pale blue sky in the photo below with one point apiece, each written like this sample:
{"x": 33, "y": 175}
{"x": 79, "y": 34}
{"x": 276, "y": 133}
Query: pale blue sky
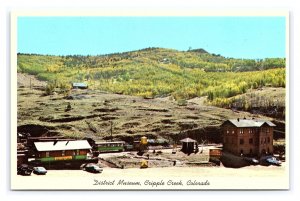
{"x": 238, "y": 37}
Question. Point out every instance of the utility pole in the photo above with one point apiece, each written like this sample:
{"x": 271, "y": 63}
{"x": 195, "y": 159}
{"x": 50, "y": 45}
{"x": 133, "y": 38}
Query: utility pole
{"x": 111, "y": 131}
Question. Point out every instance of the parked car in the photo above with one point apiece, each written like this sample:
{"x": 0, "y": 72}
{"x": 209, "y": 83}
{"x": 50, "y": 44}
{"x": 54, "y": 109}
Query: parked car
{"x": 270, "y": 160}
{"x": 273, "y": 161}
{"x": 39, "y": 170}
{"x": 252, "y": 161}
{"x": 24, "y": 170}
{"x": 94, "y": 168}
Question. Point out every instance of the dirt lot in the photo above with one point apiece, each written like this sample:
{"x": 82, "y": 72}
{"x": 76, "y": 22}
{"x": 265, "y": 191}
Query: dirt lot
{"x": 158, "y": 158}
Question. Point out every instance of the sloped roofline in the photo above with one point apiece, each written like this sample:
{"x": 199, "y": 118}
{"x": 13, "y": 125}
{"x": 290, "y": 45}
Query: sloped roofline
{"x": 62, "y": 145}
{"x": 248, "y": 123}
{"x": 187, "y": 140}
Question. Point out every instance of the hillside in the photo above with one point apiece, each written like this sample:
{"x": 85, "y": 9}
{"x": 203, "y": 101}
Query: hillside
{"x": 93, "y": 112}
{"x": 267, "y": 101}
{"x": 158, "y": 72}
{"x": 160, "y": 93}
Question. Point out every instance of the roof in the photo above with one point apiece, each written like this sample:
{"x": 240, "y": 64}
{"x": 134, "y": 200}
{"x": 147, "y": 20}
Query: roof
{"x": 62, "y": 145}
{"x": 243, "y": 123}
{"x": 187, "y": 140}
{"x": 114, "y": 142}
{"x": 79, "y": 84}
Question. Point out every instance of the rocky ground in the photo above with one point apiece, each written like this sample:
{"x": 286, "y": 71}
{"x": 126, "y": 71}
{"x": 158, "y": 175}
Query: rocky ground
{"x": 92, "y": 113}
{"x": 157, "y": 158}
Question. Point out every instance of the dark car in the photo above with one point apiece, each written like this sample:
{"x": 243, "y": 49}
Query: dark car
{"x": 94, "y": 168}
{"x": 251, "y": 161}
{"x": 39, "y": 170}
{"x": 24, "y": 170}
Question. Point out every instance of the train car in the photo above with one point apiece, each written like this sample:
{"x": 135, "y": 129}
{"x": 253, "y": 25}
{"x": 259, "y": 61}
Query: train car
{"x": 103, "y": 147}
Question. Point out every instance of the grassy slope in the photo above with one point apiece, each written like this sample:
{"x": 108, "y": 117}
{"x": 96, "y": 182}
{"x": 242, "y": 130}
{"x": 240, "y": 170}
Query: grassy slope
{"x": 132, "y": 116}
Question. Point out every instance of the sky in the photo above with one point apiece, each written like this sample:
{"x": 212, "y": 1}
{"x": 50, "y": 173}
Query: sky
{"x": 237, "y": 37}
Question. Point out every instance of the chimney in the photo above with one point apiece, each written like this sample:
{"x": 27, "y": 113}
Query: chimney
{"x": 67, "y": 143}
{"x": 244, "y": 117}
{"x": 238, "y": 119}
{"x": 55, "y": 141}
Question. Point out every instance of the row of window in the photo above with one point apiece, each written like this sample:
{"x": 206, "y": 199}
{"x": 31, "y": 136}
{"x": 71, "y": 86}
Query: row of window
{"x": 262, "y": 141}
{"x": 265, "y": 140}
{"x": 251, "y": 151}
{"x": 110, "y": 145}
{"x": 63, "y": 153}
{"x": 251, "y": 130}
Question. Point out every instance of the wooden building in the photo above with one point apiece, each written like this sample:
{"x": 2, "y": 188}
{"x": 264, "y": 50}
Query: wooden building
{"x": 189, "y": 145}
{"x": 62, "y": 150}
{"x": 248, "y": 137}
{"x": 79, "y": 85}
{"x": 22, "y": 157}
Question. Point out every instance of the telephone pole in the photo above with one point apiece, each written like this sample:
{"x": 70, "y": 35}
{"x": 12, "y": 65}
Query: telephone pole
{"x": 111, "y": 131}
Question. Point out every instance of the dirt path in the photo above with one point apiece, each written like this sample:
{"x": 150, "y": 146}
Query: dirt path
{"x": 106, "y": 164}
{"x": 26, "y": 80}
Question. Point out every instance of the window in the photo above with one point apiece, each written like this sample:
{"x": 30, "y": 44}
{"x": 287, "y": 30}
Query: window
{"x": 241, "y": 141}
{"x": 251, "y": 152}
{"x": 232, "y": 132}
{"x": 63, "y": 153}
{"x": 241, "y": 130}
{"x": 267, "y": 130}
{"x": 227, "y": 131}
{"x": 77, "y": 152}
{"x": 242, "y": 152}
{"x": 250, "y": 141}
{"x": 265, "y": 141}
{"x": 268, "y": 140}
{"x": 47, "y": 153}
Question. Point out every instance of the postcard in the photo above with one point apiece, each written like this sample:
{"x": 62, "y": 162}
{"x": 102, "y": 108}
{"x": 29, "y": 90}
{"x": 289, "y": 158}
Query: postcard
{"x": 149, "y": 101}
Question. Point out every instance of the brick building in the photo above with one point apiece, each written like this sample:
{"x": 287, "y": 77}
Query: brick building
{"x": 248, "y": 137}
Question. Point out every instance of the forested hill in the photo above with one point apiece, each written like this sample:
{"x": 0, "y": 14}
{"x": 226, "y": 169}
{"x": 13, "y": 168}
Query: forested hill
{"x": 155, "y": 72}
{"x": 193, "y": 58}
